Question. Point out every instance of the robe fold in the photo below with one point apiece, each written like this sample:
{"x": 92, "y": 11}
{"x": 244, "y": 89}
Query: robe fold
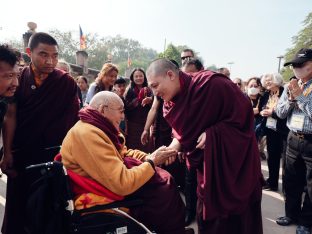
{"x": 228, "y": 168}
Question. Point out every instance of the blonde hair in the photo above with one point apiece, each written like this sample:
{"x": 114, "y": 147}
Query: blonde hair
{"x": 107, "y": 68}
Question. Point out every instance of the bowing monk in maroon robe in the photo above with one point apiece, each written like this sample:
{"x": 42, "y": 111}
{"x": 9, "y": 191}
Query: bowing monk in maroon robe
{"x": 212, "y": 124}
{"x": 46, "y": 108}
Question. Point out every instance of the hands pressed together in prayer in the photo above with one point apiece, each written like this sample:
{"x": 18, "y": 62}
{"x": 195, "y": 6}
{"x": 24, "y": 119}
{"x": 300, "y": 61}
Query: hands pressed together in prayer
{"x": 266, "y": 112}
{"x": 294, "y": 90}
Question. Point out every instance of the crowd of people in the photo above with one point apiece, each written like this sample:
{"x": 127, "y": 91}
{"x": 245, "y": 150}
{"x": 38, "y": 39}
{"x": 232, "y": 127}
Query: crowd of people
{"x": 165, "y": 130}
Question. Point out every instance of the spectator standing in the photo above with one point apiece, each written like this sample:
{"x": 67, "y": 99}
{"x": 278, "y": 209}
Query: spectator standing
{"x": 295, "y": 104}
{"x": 46, "y": 108}
{"x": 138, "y": 98}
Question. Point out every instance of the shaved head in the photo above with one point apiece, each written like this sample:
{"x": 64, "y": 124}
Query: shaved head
{"x": 105, "y": 98}
{"x": 159, "y": 67}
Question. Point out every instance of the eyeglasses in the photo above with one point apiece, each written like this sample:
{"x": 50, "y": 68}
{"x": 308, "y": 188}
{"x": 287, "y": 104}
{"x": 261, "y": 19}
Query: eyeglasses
{"x": 122, "y": 110}
{"x": 186, "y": 57}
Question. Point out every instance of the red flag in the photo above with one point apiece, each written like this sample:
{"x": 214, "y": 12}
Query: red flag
{"x": 83, "y": 45}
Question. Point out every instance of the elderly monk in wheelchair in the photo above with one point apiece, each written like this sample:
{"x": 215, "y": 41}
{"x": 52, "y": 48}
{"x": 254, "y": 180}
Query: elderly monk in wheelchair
{"x": 95, "y": 150}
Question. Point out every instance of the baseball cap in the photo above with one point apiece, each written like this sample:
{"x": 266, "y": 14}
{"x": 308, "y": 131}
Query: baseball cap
{"x": 302, "y": 56}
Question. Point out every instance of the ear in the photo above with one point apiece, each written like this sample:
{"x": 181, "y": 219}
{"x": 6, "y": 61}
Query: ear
{"x": 171, "y": 75}
{"x": 28, "y": 51}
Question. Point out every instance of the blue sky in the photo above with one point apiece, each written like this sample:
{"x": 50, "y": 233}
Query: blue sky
{"x": 249, "y": 33}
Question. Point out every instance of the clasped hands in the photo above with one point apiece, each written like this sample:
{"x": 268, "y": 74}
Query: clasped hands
{"x": 166, "y": 155}
{"x": 294, "y": 90}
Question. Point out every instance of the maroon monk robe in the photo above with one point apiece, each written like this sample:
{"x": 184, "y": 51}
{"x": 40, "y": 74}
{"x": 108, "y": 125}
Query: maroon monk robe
{"x": 44, "y": 115}
{"x": 228, "y": 169}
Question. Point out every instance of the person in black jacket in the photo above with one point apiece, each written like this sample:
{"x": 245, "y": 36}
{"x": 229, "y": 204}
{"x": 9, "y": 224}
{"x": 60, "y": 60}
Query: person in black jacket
{"x": 275, "y": 128}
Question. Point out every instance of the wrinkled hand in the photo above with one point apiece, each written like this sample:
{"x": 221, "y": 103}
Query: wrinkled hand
{"x": 163, "y": 154}
{"x": 201, "y": 141}
{"x": 146, "y": 101}
{"x": 6, "y": 165}
{"x": 144, "y": 137}
{"x": 294, "y": 89}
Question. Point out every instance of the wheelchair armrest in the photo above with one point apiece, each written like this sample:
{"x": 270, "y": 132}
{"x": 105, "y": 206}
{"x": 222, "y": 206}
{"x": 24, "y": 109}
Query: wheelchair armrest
{"x": 116, "y": 204}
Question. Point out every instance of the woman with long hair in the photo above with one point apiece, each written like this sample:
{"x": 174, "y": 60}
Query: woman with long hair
{"x": 138, "y": 100}
{"x": 104, "y": 82}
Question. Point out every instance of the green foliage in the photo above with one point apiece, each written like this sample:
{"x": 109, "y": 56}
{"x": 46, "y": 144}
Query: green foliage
{"x": 101, "y": 49}
{"x": 302, "y": 40}
{"x": 171, "y": 52}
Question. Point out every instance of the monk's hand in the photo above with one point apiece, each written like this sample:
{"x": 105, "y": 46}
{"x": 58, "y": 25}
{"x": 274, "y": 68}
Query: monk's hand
{"x": 6, "y": 165}
{"x": 144, "y": 137}
{"x": 201, "y": 141}
{"x": 163, "y": 154}
{"x": 181, "y": 156}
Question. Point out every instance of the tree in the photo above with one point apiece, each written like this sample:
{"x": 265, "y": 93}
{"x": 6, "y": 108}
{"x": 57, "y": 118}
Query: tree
{"x": 171, "y": 52}
{"x": 302, "y": 40}
{"x": 100, "y": 48}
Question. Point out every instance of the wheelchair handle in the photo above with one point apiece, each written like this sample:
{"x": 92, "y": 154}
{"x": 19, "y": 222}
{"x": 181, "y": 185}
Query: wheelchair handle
{"x": 41, "y": 165}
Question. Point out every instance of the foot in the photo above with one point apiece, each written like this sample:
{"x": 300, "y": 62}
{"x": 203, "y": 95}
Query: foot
{"x": 303, "y": 230}
{"x": 284, "y": 221}
{"x": 189, "y": 217}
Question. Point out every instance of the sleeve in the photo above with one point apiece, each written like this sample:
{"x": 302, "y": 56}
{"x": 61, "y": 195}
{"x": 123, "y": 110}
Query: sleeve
{"x": 305, "y": 104}
{"x": 90, "y": 93}
{"x": 284, "y": 106}
{"x": 98, "y": 158}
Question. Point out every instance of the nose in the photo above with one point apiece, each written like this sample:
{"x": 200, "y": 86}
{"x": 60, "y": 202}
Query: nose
{"x": 49, "y": 60}
{"x": 15, "y": 81}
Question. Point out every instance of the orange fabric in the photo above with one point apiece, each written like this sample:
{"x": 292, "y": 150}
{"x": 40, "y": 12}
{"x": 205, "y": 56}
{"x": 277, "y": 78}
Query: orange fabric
{"x": 39, "y": 78}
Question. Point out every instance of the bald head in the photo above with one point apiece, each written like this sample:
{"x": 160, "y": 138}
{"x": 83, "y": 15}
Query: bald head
{"x": 105, "y": 98}
{"x": 160, "y": 67}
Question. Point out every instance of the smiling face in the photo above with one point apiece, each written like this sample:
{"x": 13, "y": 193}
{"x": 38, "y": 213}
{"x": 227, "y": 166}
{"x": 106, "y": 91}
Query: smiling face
{"x": 110, "y": 78}
{"x": 166, "y": 87}
{"x": 44, "y": 57}
{"x": 114, "y": 112}
{"x": 138, "y": 78}
{"x": 8, "y": 79}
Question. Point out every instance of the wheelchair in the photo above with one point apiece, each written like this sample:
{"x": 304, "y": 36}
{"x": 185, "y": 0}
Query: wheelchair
{"x": 50, "y": 208}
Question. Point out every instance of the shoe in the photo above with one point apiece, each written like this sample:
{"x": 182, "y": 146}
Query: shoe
{"x": 284, "y": 221}
{"x": 189, "y": 217}
{"x": 189, "y": 230}
{"x": 303, "y": 230}
{"x": 268, "y": 187}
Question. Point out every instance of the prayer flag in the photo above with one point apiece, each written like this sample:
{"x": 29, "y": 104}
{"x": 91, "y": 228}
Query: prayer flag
{"x": 83, "y": 45}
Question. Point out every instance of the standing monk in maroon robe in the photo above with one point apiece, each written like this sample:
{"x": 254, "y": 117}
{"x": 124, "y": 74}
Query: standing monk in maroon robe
{"x": 212, "y": 124}
{"x": 46, "y": 108}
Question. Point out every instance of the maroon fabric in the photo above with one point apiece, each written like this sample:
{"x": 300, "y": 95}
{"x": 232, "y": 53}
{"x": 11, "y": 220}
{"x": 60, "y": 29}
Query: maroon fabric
{"x": 93, "y": 117}
{"x": 44, "y": 115}
{"x": 163, "y": 209}
{"x": 136, "y": 116}
{"x": 229, "y": 167}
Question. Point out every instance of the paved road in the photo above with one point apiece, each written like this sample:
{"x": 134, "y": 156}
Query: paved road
{"x": 272, "y": 207}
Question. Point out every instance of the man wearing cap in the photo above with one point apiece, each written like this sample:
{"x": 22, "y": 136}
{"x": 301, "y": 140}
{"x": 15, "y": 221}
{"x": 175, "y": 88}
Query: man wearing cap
{"x": 295, "y": 104}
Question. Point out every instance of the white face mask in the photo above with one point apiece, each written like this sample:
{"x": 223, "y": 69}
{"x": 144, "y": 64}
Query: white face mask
{"x": 253, "y": 91}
